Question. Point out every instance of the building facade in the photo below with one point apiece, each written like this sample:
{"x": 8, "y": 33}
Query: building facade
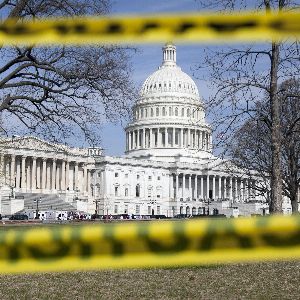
{"x": 168, "y": 167}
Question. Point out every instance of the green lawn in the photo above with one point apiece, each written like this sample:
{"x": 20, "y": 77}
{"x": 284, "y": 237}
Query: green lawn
{"x": 278, "y": 280}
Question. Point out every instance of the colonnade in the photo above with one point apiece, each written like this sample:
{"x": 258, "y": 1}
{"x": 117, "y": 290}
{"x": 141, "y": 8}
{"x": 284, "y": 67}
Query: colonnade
{"x": 42, "y": 173}
{"x": 215, "y": 187}
{"x": 165, "y": 137}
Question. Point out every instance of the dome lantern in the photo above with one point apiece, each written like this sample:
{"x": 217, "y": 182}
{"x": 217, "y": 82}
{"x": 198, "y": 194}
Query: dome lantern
{"x": 169, "y": 55}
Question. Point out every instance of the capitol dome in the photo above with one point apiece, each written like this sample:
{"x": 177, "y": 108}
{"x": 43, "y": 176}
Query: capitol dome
{"x": 169, "y": 116}
{"x": 169, "y": 78}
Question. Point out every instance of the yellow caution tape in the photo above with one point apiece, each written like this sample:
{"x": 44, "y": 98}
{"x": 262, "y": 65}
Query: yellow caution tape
{"x": 149, "y": 244}
{"x": 190, "y": 27}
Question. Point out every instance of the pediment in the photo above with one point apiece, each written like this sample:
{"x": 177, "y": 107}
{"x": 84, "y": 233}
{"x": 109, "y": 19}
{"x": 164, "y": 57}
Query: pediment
{"x": 32, "y": 143}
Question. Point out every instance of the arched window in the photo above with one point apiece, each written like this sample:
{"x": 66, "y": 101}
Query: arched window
{"x": 126, "y": 192}
{"x": 188, "y": 113}
{"x": 142, "y": 112}
{"x": 182, "y": 112}
{"x": 164, "y": 111}
{"x": 181, "y": 210}
{"x": 152, "y": 112}
{"x": 194, "y": 211}
{"x": 157, "y": 111}
{"x": 188, "y": 210}
{"x": 146, "y": 112}
{"x": 176, "y": 111}
{"x": 137, "y": 190}
{"x": 170, "y": 111}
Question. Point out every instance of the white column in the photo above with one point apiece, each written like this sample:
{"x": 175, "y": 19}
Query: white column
{"x": 33, "y": 174}
{"x": 28, "y": 175}
{"x": 129, "y": 140}
{"x": 63, "y": 176}
{"x": 48, "y": 176}
{"x": 166, "y": 138}
{"x": 207, "y": 186}
{"x": 12, "y": 170}
{"x": 202, "y": 187}
{"x": 214, "y": 187}
{"x": 230, "y": 188}
{"x": 151, "y": 138}
{"x": 242, "y": 190}
{"x": 138, "y": 139}
{"x": 176, "y": 186}
{"x": 171, "y": 189}
{"x": 173, "y": 137}
{"x": 220, "y": 185}
{"x": 190, "y": 187}
{"x": 85, "y": 178}
{"x": 236, "y": 189}
{"x": 76, "y": 175}
{"x": 67, "y": 186}
{"x": 44, "y": 173}
{"x": 181, "y": 138}
{"x": 53, "y": 174}
{"x": 196, "y": 187}
{"x": 89, "y": 175}
{"x": 183, "y": 186}
{"x": 18, "y": 162}
{"x": 38, "y": 174}
{"x": 23, "y": 179}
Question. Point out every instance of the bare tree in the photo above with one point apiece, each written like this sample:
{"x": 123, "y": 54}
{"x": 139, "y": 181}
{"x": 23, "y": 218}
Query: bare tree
{"x": 242, "y": 76}
{"x": 59, "y": 92}
{"x": 252, "y": 150}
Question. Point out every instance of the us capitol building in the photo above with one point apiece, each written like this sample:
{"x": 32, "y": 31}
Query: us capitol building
{"x": 168, "y": 167}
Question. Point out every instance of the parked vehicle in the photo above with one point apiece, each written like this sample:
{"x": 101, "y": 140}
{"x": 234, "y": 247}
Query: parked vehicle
{"x": 19, "y": 217}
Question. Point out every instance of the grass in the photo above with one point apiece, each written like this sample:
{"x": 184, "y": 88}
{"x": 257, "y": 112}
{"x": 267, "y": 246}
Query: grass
{"x": 272, "y": 280}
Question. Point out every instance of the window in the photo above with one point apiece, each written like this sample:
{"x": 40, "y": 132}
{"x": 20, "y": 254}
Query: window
{"x": 188, "y": 112}
{"x": 126, "y": 209}
{"x": 116, "y": 209}
{"x": 158, "y": 210}
{"x": 137, "y": 190}
{"x": 152, "y": 112}
{"x": 157, "y": 111}
{"x": 158, "y": 178}
{"x": 137, "y": 176}
{"x": 137, "y": 209}
{"x": 149, "y": 210}
{"x": 116, "y": 174}
{"x": 149, "y": 177}
{"x": 158, "y": 196}
{"x": 126, "y": 192}
{"x": 142, "y": 112}
{"x": 182, "y": 112}
{"x": 170, "y": 111}
{"x": 176, "y": 111}
{"x": 116, "y": 190}
{"x": 149, "y": 192}
{"x": 146, "y": 112}
{"x": 164, "y": 111}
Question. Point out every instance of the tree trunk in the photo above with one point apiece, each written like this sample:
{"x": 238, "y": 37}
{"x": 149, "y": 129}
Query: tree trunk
{"x": 276, "y": 180}
{"x": 294, "y": 201}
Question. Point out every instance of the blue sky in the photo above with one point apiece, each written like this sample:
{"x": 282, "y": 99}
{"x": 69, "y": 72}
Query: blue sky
{"x": 148, "y": 59}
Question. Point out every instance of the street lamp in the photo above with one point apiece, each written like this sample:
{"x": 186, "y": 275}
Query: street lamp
{"x": 37, "y": 207}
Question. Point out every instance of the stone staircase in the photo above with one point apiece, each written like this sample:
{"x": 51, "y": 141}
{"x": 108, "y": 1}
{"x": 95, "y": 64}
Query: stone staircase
{"x": 48, "y": 202}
